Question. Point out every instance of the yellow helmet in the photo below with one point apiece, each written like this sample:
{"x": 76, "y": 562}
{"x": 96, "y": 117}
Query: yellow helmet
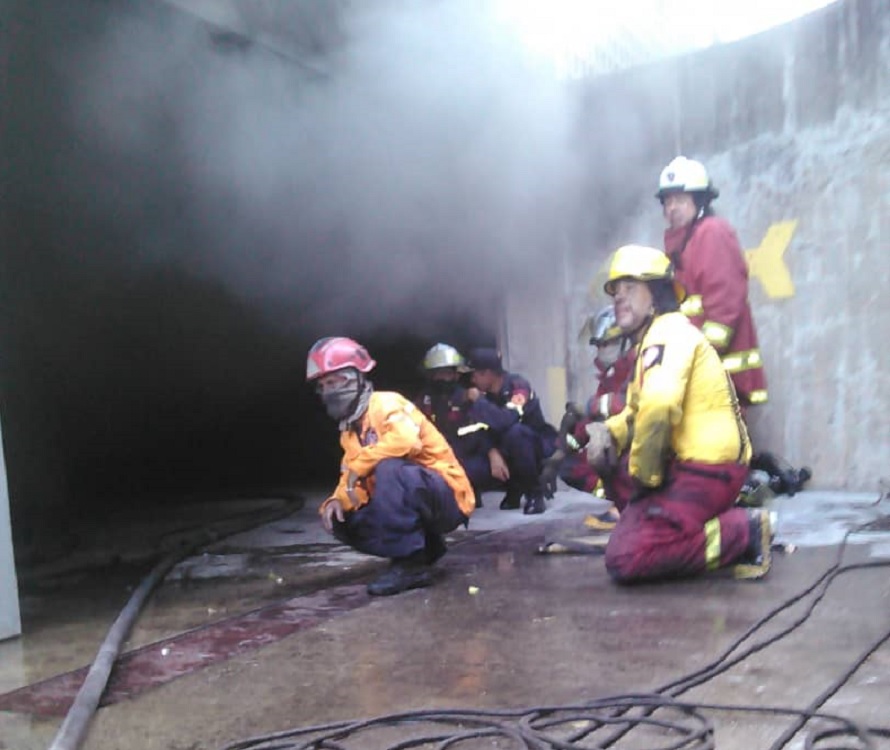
{"x": 443, "y": 355}
{"x": 641, "y": 263}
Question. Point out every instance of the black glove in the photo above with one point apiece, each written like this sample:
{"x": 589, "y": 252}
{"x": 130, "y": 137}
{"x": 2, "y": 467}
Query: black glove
{"x": 550, "y": 473}
{"x": 570, "y": 419}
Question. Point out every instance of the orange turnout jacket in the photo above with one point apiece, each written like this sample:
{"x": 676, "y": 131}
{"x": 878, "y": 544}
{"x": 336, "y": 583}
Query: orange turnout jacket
{"x": 393, "y": 427}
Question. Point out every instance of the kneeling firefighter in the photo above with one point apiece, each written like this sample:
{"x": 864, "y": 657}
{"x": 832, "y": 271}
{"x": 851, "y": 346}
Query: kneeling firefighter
{"x": 675, "y": 458}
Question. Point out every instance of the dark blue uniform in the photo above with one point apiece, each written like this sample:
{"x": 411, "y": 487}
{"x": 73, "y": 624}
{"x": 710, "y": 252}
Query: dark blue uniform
{"x": 516, "y": 426}
{"x": 446, "y": 405}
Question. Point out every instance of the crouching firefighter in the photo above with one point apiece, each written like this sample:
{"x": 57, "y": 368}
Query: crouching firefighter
{"x": 675, "y": 458}
{"x": 444, "y": 401}
{"x": 614, "y": 364}
{"x": 520, "y": 436}
{"x": 401, "y": 487}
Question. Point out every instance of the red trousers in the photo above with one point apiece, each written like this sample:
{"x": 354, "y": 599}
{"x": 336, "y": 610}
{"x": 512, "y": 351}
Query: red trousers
{"x": 688, "y": 525}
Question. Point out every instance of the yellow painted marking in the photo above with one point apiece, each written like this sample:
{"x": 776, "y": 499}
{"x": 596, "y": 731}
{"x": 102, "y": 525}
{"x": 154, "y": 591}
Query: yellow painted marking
{"x": 767, "y": 264}
{"x": 557, "y": 391}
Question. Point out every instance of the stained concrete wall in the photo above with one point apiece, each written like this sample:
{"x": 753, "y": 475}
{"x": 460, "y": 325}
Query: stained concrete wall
{"x": 793, "y": 124}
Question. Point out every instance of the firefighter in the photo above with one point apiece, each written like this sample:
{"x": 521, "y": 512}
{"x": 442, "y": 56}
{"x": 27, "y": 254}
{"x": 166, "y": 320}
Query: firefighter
{"x": 709, "y": 263}
{"x": 675, "y": 458}
{"x": 614, "y": 363}
{"x": 520, "y": 436}
{"x": 443, "y": 400}
{"x": 401, "y": 487}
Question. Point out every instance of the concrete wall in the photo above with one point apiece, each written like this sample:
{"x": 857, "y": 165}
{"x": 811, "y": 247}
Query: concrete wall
{"x": 793, "y": 124}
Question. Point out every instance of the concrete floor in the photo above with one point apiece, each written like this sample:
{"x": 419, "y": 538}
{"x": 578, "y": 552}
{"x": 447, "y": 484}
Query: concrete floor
{"x": 271, "y": 629}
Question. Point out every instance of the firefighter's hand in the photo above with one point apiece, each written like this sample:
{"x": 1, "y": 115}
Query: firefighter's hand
{"x": 600, "y": 448}
{"x": 498, "y": 465}
{"x": 332, "y": 510}
{"x": 570, "y": 419}
{"x": 473, "y": 394}
{"x": 550, "y": 473}
{"x": 351, "y": 481}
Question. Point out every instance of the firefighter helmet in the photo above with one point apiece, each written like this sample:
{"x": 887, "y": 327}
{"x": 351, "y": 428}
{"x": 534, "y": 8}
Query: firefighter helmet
{"x": 642, "y": 264}
{"x": 604, "y": 327}
{"x": 443, "y": 355}
{"x": 336, "y": 353}
{"x": 684, "y": 175}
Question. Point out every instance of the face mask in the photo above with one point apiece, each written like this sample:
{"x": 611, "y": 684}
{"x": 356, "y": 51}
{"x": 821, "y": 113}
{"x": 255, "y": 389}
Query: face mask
{"x": 442, "y": 387}
{"x": 341, "y": 399}
{"x": 339, "y": 403}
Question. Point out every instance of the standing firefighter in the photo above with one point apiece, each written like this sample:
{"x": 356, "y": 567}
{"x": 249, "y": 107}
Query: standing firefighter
{"x": 401, "y": 487}
{"x": 675, "y": 458}
{"x": 709, "y": 263}
{"x": 443, "y": 400}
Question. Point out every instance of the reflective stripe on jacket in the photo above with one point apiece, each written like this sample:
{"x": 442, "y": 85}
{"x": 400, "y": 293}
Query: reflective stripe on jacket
{"x": 713, "y": 271}
{"x": 393, "y": 427}
{"x": 680, "y": 403}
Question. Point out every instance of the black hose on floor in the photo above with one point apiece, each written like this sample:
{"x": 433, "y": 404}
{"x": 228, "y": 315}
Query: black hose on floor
{"x": 671, "y": 724}
{"x": 77, "y": 721}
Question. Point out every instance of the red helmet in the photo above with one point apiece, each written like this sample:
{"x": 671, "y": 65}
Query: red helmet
{"x": 336, "y": 353}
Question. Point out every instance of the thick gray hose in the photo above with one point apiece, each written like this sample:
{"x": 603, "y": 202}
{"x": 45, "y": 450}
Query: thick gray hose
{"x": 77, "y": 721}
{"x": 74, "y": 728}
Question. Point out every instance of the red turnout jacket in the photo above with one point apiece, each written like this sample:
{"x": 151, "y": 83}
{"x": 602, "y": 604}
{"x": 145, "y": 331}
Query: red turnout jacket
{"x": 713, "y": 270}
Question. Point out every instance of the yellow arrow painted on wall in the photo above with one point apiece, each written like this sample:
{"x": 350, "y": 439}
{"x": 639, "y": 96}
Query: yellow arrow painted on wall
{"x": 767, "y": 264}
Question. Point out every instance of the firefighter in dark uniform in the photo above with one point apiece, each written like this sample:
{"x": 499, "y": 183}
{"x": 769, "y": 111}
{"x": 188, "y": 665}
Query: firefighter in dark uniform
{"x": 675, "y": 458}
{"x": 520, "y": 436}
{"x": 443, "y": 400}
{"x": 401, "y": 487}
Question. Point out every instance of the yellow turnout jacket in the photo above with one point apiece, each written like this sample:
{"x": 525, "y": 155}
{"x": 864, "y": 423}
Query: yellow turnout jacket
{"x": 680, "y": 403}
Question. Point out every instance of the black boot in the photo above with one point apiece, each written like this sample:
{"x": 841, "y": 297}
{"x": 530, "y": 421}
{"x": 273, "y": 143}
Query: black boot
{"x": 511, "y": 499}
{"x": 756, "y": 560}
{"x": 435, "y": 548}
{"x": 784, "y": 478}
{"x": 401, "y": 576}
{"x": 534, "y": 503}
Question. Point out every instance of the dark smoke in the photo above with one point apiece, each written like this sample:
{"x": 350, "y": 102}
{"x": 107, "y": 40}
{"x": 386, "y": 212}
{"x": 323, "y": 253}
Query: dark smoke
{"x": 190, "y": 204}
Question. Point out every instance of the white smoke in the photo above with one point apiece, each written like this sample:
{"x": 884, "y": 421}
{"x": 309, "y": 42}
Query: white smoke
{"x": 428, "y": 169}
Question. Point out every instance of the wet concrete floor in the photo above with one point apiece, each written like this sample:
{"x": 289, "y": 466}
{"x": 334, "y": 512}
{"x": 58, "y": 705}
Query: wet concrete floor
{"x": 271, "y": 629}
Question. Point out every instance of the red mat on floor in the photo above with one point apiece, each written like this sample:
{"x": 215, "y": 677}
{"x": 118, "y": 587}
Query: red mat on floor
{"x": 166, "y": 660}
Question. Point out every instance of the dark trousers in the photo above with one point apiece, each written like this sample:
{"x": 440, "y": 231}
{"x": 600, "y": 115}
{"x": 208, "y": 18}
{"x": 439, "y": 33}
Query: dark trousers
{"x": 411, "y": 510}
{"x": 524, "y": 450}
{"x": 686, "y": 526}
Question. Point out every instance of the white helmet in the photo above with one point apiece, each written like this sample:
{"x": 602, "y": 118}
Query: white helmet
{"x": 684, "y": 175}
{"x": 604, "y": 327}
{"x": 443, "y": 355}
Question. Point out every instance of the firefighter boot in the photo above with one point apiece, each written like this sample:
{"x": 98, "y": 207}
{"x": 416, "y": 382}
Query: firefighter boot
{"x": 534, "y": 503}
{"x": 511, "y": 499}
{"x": 756, "y": 560}
{"x": 401, "y": 576}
